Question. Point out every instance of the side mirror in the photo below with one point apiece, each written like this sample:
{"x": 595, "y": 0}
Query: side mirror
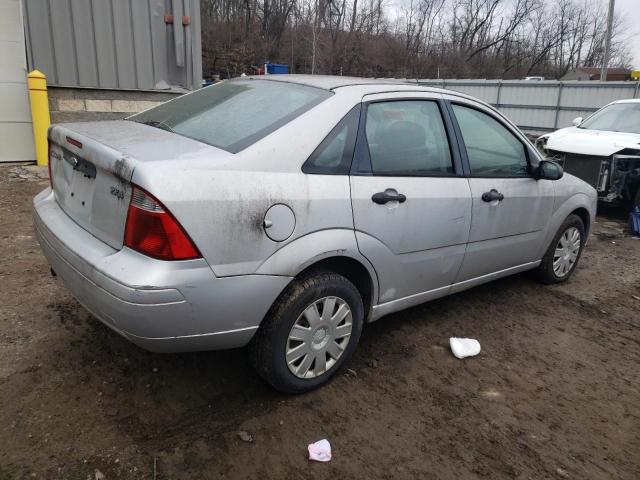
{"x": 549, "y": 170}
{"x": 577, "y": 121}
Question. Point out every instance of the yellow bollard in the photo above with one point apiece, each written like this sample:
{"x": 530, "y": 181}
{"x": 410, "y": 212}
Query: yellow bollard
{"x": 39, "y": 114}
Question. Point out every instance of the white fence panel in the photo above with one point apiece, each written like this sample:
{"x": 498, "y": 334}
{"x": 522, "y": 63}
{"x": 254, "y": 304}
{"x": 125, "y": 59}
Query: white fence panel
{"x": 538, "y": 107}
{"x": 596, "y": 96}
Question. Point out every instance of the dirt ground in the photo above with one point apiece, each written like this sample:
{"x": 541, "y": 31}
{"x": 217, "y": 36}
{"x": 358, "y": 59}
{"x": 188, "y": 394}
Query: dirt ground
{"x": 555, "y": 392}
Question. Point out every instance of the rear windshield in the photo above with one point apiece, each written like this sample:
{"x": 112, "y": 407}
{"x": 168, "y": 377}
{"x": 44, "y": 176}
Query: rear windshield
{"x": 233, "y": 114}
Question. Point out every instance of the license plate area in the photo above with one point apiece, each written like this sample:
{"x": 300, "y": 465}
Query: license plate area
{"x": 79, "y": 164}
{"x": 80, "y": 182}
{"x": 84, "y": 186}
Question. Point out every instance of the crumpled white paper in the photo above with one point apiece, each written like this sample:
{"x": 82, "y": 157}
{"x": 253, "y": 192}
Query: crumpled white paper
{"x": 464, "y": 347}
{"x": 320, "y": 451}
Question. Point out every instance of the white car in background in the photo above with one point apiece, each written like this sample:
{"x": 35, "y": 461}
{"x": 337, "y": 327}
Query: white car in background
{"x": 603, "y": 150}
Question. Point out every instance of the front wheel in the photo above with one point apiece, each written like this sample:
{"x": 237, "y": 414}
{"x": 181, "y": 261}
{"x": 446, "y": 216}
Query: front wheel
{"x": 561, "y": 259}
{"x": 309, "y": 334}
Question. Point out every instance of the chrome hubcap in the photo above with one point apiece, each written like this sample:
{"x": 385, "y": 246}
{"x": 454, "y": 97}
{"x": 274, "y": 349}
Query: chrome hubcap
{"x": 566, "y": 252}
{"x": 319, "y": 337}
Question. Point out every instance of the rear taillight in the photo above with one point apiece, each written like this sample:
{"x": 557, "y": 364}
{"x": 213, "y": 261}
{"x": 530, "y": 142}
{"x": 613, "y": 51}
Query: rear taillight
{"x": 152, "y": 230}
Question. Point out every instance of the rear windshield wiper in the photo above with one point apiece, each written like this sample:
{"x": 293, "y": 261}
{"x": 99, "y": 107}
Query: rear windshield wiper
{"x": 157, "y": 124}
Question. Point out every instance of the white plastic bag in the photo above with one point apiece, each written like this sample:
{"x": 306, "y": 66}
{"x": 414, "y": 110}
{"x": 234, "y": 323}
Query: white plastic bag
{"x": 464, "y": 347}
{"x": 320, "y": 451}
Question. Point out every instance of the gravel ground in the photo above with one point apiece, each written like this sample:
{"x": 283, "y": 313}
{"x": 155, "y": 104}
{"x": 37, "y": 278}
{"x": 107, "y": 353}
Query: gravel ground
{"x": 554, "y": 393}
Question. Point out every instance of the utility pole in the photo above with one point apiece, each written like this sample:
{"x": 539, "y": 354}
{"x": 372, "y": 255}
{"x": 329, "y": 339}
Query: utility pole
{"x": 607, "y": 44}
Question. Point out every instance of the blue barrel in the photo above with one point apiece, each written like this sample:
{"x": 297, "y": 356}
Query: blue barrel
{"x": 634, "y": 220}
{"x": 277, "y": 68}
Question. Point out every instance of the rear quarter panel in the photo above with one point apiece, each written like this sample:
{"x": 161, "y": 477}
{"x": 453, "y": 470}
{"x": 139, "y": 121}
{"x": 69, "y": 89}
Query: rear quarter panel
{"x": 221, "y": 203}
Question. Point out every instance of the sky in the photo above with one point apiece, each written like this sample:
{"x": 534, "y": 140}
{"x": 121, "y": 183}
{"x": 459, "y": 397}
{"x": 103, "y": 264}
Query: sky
{"x": 630, "y": 11}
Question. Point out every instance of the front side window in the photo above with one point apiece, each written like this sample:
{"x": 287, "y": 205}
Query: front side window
{"x": 234, "y": 114}
{"x": 493, "y": 151}
{"x": 618, "y": 117}
{"x": 407, "y": 138}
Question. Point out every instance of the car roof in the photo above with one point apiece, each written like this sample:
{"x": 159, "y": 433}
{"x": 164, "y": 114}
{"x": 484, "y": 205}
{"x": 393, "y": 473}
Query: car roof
{"x": 628, "y": 100}
{"x": 368, "y": 85}
{"x": 328, "y": 82}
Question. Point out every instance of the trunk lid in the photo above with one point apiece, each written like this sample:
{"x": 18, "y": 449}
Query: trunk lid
{"x": 92, "y": 165}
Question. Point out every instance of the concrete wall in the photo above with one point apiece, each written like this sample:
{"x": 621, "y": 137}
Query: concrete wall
{"x": 89, "y": 104}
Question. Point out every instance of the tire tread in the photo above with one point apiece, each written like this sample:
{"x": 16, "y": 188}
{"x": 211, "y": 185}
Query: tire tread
{"x": 545, "y": 272}
{"x": 261, "y": 347}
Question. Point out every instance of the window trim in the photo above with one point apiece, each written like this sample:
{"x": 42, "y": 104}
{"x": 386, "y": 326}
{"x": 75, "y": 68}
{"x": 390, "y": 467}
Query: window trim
{"x": 463, "y": 147}
{"x": 350, "y": 144}
{"x": 361, "y": 164}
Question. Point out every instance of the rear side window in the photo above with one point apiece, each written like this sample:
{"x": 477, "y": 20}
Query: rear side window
{"x": 407, "y": 138}
{"x": 334, "y": 154}
{"x": 492, "y": 149}
{"x": 234, "y": 114}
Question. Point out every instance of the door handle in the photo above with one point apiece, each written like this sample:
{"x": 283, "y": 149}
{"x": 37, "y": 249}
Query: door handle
{"x": 492, "y": 195}
{"x": 388, "y": 195}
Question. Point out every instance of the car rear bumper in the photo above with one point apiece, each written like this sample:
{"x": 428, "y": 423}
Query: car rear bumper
{"x": 161, "y": 306}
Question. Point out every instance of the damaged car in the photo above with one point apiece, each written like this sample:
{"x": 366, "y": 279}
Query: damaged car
{"x": 282, "y": 213}
{"x": 603, "y": 150}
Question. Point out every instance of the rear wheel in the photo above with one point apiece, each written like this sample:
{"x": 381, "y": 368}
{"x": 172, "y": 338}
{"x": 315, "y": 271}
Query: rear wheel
{"x": 562, "y": 256}
{"x": 309, "y": 334}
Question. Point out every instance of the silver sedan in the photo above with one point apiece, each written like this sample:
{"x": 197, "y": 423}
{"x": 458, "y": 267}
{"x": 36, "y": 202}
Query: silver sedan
{"x": 284, "y": 212}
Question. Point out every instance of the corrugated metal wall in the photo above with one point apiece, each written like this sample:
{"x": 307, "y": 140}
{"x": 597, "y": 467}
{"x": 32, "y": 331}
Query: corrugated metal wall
{"x": 16, "y": 133}
{"x": 123, "y": 44}
{"x": 545, "y": 106}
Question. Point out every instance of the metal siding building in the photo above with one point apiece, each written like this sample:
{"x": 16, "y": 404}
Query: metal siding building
{"x": 115, "y": 44}
{"x": 16, "y": 134}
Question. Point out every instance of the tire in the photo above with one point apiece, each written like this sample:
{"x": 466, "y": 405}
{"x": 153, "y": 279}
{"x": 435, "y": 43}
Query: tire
{"x": 276, "y": 337}
{"x": 546, "y": 272}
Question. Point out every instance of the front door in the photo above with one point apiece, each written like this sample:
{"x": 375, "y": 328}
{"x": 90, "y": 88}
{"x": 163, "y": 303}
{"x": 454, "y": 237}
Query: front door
{"x": 510, "y": 207}
{"x": 411, "y": 203}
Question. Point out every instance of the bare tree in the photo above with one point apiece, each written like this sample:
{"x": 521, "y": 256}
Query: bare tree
{"x": 454, "y": 38}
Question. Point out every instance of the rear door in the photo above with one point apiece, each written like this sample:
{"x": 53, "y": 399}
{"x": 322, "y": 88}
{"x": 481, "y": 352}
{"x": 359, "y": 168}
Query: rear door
{"x": 411, "y": 202}
{"x": 510, "y": 207}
